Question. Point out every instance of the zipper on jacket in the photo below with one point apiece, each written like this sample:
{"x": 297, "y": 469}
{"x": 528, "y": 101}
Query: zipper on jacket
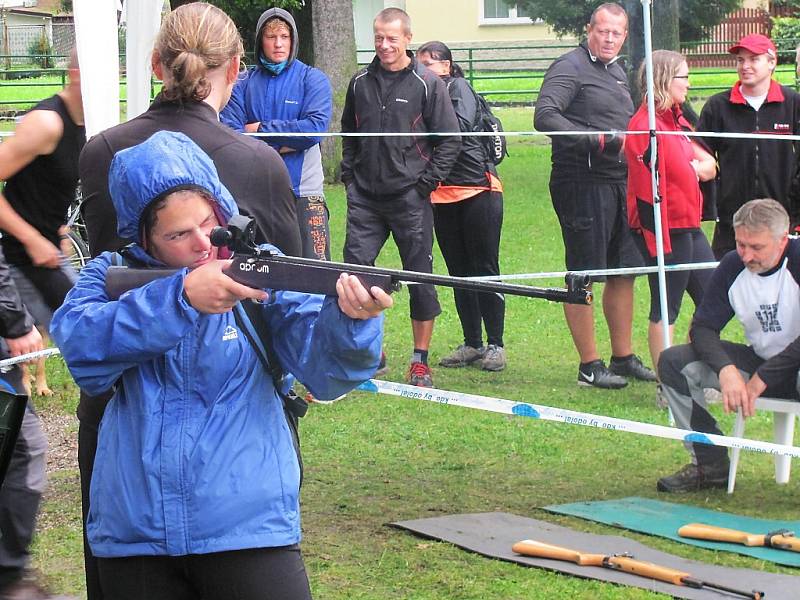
{"x": 757, "y": 190}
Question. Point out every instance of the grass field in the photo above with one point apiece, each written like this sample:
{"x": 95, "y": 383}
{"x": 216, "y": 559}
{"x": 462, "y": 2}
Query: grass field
{"x": 375, "y": 459}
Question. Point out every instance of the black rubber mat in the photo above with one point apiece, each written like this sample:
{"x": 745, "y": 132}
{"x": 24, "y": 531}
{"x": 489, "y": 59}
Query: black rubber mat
{"x": 493, "y": 534}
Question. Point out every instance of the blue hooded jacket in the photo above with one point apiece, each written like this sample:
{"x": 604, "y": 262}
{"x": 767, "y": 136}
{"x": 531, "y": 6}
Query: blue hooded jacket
{"x": 298, "y": 100}
{"x": 195, "y": 454}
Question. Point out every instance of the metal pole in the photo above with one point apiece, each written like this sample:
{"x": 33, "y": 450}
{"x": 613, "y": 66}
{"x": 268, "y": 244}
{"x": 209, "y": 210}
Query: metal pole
{"x": 651, "y": 125}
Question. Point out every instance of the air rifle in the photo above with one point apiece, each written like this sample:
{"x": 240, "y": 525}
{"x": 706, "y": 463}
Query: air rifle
{"x": 626, "y": 563}
{"x": 782, "y": 539}
{"x": 264, "y": 269}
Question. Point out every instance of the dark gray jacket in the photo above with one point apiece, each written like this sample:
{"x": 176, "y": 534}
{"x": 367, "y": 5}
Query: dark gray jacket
{"x": 416, "y": 102}
{"x": 580, "y": 93}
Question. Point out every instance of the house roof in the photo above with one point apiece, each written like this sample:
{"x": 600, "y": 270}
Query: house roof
{"x": 42, "y": 8}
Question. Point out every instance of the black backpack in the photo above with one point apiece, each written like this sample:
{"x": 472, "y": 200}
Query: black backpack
{"x": 495, "y": 145}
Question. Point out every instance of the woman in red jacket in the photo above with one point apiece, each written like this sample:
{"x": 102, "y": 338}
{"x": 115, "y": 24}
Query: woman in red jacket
{"x": 682, "y": 163}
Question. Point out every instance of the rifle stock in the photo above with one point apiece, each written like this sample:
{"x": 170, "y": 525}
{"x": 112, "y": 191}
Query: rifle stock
{"x": 619, "y": 563}
{"x": 782, "y": 540}
{"x": 625, "y": 563}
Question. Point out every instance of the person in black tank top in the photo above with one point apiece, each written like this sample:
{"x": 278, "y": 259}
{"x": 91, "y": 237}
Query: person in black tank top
{"x": 39, "y": 166}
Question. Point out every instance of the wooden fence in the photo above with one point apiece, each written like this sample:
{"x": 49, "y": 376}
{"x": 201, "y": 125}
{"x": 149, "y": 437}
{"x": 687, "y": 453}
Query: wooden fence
{"x": 714, "y": 51}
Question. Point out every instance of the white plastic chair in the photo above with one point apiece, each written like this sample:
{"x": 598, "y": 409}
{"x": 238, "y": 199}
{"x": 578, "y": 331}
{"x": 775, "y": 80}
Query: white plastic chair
{"x": 784, "y": 412}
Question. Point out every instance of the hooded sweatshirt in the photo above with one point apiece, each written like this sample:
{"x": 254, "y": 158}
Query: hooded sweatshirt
{"x": 194, "y": 453}
{"x": 297, "y": 100}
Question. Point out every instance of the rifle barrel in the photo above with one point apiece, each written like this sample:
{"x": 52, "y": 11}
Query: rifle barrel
{"x": 574, "y": 293}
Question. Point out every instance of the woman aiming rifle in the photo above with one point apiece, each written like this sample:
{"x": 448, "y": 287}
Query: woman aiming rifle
{"x": 195, "y": 486}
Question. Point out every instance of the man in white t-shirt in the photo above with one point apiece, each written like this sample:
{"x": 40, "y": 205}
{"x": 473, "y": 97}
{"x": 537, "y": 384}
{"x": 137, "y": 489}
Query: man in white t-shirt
{"x": 750, "y": 168}
{"x": 759, "y": 284}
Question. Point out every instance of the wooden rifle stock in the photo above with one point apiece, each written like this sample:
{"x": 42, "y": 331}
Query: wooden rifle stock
{"x": 624, "y": 563}
{"x": 782, "y": 539}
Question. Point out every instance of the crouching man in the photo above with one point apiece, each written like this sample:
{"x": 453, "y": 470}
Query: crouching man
{"x": 759, "y": 284}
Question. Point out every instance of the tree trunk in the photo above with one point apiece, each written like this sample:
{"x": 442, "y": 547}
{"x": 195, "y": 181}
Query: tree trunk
{"x": 664, "y": 23}
{"x": 331, "y": 47}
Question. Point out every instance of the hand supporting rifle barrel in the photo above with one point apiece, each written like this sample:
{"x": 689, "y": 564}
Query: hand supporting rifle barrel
{"x": 625, "y": 562}
{"x": 264, "y": 269}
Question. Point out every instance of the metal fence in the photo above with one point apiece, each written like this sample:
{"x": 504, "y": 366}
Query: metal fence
{"x": 21, "y": 45}
{"x": 504, "y": 74}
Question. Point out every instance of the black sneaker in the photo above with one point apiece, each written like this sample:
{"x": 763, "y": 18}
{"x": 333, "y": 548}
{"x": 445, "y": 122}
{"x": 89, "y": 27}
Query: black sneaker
{"x": 696, "y": 477}
{"x": 597, "y": 374}
{"x": 632, "y": 366}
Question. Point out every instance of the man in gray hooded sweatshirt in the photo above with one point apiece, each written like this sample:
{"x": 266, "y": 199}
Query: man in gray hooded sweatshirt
{"x": 281, "y": 94}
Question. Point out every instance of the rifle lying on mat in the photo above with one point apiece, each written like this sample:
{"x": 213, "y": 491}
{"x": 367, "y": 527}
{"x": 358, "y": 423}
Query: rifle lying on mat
{"x": 259, "y": 268}
{"x": 782, "y": 539}
{"x": 626, "y": 563}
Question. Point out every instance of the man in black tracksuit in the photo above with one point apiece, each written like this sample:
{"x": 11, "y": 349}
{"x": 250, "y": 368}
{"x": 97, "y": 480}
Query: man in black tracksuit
{"x": 389, "y": 179}
{"x": 587, "y": 90}
{"x": 752, "y": 168}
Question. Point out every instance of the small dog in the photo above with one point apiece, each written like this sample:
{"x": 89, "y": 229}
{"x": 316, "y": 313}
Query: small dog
{"x": 37, "y": 381}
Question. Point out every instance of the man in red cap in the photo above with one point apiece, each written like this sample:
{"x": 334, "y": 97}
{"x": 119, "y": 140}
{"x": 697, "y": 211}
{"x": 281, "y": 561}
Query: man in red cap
{"x": 752, "y": 168}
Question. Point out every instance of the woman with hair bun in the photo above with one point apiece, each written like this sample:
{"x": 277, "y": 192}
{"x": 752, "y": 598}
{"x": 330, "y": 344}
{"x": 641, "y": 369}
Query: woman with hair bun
{"x": 682, "y": 163}
{"x": 468, "y": 217}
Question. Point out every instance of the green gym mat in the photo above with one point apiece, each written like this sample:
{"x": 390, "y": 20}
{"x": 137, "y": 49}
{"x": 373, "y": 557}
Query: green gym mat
{"x": 665, "y": 518}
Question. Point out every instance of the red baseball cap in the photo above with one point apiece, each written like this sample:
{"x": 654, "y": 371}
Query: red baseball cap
{"x": 755, "y": 43}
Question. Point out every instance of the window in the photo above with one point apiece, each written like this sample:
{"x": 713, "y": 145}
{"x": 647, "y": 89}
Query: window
{"x": 503, "y": 12}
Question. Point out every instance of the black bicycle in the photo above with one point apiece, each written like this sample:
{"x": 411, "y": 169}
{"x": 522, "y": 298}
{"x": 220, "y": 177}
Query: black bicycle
{"x": 77, "y": 240}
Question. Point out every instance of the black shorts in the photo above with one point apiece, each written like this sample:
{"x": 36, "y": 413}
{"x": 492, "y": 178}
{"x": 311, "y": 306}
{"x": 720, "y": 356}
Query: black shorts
{"x": 409, "y": 218}
{"x": 688, "y": 246}
{"x": 594, "y": 225}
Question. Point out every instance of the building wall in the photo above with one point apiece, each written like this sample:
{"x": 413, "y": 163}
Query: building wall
{"x": 457, "y": 21}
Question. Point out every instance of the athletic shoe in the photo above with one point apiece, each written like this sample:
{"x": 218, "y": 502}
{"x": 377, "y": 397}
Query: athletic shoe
{"x": 419, "y": 374}
{"x": 494, "y": 359}
{"x": 462, "y": 356}
{"x": 696, "y": 477}
{"x": 383, "y": 368}
{"x": 597, "y": 374}
{"x": 632, "y": 367}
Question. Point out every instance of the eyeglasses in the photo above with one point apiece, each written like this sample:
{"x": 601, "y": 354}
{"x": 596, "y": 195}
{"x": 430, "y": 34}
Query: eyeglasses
{"x": 680, "y": 77}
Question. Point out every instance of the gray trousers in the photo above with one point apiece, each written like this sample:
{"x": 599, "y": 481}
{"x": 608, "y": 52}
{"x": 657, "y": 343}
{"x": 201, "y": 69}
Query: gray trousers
{"x": 20, "y": 495}
{"x": 684, "y": 376}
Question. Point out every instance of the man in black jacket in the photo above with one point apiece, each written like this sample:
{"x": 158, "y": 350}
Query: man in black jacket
{"x": 587, "y": 90}
{"x": 389, "y": 179}
{"x": 750, "y": 168}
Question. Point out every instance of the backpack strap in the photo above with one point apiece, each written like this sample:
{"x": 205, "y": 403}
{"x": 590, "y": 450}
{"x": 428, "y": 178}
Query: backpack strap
{"x": 251, "y": 321}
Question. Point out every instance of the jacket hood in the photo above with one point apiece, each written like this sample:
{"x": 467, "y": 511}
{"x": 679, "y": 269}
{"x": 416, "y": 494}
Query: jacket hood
{"x": 284, "y": 16}
{"x": 165, "y": 162}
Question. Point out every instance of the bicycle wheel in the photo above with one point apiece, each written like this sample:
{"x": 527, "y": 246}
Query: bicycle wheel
{"x": 78, "y": 254}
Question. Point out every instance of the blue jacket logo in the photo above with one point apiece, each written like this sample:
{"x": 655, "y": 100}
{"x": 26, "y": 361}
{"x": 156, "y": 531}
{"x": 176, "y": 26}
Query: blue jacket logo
{"x": 230, "y": 334}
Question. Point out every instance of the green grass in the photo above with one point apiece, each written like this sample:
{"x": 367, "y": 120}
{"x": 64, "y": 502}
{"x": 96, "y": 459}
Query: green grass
{"x": 704, "y": 81}
{"x": 375, "y": 459}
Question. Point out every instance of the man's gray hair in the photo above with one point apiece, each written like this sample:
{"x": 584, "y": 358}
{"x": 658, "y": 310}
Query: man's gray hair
{"x": 763, "y": 213}
{"x": 611, "y": 7}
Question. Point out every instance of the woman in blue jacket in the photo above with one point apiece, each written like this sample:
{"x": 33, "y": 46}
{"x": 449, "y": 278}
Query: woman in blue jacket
{"x": 195, "y": 487}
